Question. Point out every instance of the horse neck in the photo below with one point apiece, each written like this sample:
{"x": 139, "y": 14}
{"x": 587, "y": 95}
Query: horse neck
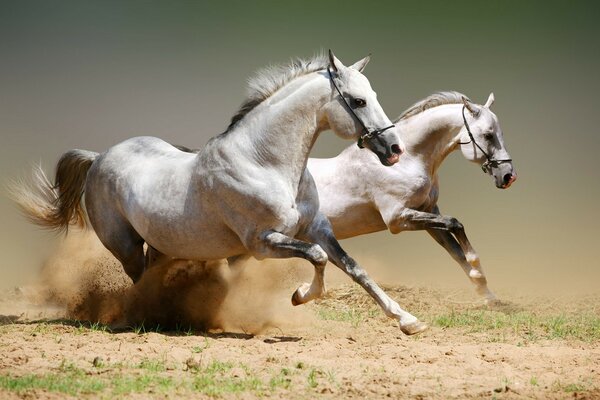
{"x": 281, "y": 131}
{"x": 433, "y": 134}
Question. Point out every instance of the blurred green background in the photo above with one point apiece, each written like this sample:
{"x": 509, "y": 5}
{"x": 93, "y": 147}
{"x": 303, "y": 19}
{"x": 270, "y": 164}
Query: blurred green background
{"x": 88, "y": 74}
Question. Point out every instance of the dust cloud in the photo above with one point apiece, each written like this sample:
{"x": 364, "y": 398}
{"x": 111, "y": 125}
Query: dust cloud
{"x": 84, "y": 280}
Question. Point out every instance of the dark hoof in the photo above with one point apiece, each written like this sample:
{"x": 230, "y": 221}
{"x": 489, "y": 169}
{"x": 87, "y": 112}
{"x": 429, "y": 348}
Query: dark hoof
{"x": 414, "y": 328}
{"x": 295, "y": 299}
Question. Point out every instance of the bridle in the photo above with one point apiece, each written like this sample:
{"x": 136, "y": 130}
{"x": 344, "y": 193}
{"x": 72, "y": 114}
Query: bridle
{"x": 366, "y": 135}
{"x": 490, "y": 163}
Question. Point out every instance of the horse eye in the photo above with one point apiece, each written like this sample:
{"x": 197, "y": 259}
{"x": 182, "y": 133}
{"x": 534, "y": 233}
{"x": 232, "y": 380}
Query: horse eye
{"x": 360, "y": 102}
{"x": 488, "y": 136}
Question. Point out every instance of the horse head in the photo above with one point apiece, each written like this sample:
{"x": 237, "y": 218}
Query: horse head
{"x": 482, "y": 142}
{"x": 354, "y": 112}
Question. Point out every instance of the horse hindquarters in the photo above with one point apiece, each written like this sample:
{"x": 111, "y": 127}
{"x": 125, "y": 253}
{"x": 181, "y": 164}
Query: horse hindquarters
{"x": 112, "y": 228}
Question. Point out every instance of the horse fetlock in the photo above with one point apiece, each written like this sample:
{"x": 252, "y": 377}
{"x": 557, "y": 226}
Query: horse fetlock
{"x": 483, "y": 291}
{"x": 473, "y": 259}
{"x": 479, "y": 281}
{"x": 474, "y": 273}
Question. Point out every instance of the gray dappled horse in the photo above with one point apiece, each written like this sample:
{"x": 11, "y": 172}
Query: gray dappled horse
{"x": 246, "y": 193}
{"x": 358, "y": 196}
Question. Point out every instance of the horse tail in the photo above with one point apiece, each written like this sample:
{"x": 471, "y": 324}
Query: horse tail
{"x": 55, "y": 206}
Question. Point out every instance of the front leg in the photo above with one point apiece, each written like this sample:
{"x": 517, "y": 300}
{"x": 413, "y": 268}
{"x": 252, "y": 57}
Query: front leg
{"x": 274, "y": 244}
{"x": 448, "y": 242}
{"x": 322, "y": 233}
{"x": 407, "y": 219}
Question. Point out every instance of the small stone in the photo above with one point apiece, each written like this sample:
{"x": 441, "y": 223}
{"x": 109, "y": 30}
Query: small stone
{"x": 97, "y": 362}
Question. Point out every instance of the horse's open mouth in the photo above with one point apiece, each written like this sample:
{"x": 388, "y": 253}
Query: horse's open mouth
{"x": 393, "y": 159}
{"x": 508, "y": 181}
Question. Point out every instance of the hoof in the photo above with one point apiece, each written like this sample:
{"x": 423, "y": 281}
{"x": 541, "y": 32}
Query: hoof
{"x": 414, "y": 328}
{"x": 497, "y": 304}
{"x": 492, "y": 302}
{"x": 295, "y": 300}
{"x": 299, "y": 296}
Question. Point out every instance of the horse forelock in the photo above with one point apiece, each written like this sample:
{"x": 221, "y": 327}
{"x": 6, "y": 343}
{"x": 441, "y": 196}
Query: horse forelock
{"x": 434, "y": 100}
{"x": 272, "y": 78}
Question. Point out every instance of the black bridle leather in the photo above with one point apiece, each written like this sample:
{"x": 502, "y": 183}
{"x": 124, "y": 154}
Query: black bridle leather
{"x": 490, "y": 162}
{"x": 366, "y": 134}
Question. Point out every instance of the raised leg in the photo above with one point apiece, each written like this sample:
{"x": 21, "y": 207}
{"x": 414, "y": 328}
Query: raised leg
{"x": 408, "y": 219}
{"x": 278, "y": 245}
{"x": 322, "y": 233}
{"x": 448, "y": 242}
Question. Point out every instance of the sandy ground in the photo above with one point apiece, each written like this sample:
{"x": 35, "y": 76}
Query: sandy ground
{"x": 241, "y": 335}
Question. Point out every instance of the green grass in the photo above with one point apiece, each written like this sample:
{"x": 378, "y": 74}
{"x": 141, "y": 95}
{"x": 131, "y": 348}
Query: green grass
{"x": 152, "y": 365}
{"x": 70, "y": 380}
{"x": 281, "y": 380}
{"x": 200, "y": 349}
{"x": 585, "y": 327}
{"x": 216, "y": 379}
{"x": 126, "y": 384}
{"x": 534, "y": 381}
{"x": 84, "y": 327}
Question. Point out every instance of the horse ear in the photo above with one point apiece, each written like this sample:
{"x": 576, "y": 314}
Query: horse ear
{"x": 335, "y": 64}
{"x": 490, "y": 101}
{"x": 361, "y": 64}
{"x": 473, "y": 109}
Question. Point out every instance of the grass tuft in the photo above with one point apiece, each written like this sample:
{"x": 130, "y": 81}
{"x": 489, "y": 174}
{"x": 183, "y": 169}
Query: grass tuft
{"x": 585, "y": 327}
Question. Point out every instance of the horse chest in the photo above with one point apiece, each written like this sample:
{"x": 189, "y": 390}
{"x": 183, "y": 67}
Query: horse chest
{"x": 426, "y": 199}
{"x": 413, "y": 190}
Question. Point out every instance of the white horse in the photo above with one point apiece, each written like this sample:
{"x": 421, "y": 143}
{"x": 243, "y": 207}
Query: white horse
{"x": 359, "y": 196}
{"x": 246, "y": 193}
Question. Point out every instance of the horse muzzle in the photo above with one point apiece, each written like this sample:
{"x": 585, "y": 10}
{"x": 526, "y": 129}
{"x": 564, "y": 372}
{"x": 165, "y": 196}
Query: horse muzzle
{"x": 508, "y": 180}
{"x": 386, "y": 147}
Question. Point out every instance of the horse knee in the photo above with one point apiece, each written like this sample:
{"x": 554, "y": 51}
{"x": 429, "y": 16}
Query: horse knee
{"x": 317, "y": 255}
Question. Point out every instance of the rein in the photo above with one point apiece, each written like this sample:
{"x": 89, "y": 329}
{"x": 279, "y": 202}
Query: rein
{"x": 490, "y": 163}
{"x": 366, "y": 135}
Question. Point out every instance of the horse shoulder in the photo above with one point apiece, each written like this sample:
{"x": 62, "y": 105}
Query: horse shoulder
{"x": 407, "y": 185}
{"x": 307, "y": 200}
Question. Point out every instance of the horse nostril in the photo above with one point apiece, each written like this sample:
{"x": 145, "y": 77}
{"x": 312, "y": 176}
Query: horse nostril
{"x": 396, "y": 149}
{"x": 507, "y": 178}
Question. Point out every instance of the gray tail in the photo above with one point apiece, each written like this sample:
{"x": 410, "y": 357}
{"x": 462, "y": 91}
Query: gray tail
{"x": 55, "y": 206}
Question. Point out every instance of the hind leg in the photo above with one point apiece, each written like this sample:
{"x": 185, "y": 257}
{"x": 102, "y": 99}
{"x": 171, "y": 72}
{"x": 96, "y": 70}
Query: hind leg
{"x": 123, "y": 242}
{"x": 154, "y": 257}
{"x": 114, "y": 231}
{"x": 129, "y": 250}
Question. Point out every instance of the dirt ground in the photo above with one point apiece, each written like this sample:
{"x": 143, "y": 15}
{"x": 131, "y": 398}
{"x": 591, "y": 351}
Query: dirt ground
{"x": 81, "y": 335}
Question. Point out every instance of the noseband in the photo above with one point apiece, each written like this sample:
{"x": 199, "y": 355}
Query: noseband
{"x": 490, "y": 163}
{"x": 366, "y": 134}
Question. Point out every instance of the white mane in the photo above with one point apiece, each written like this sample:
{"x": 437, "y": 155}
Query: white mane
{"x": 272, "y": 78}
{"x": 434, "y": 100}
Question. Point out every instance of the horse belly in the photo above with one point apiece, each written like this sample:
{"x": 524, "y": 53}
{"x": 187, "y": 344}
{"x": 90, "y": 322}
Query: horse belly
{"x": 355, "y": 221}
{"x": 193, "y": 237}
{"x": 187, "y": 225}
